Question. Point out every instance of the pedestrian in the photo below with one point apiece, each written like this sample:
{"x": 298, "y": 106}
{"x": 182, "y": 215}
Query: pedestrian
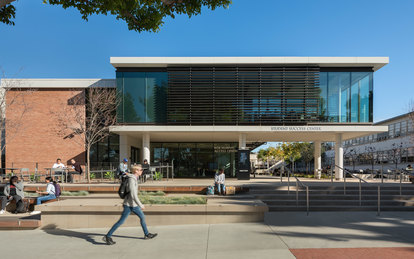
{"x": 13, "y": 191}
{"x": 131, "y": 204}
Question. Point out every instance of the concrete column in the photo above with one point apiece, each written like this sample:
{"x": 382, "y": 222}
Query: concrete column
{"x": 124, "y": 147}
{"x": 146, "y": 147}
{"x": 242, "y": 141}
{"x": 339, "y": 157}
{"x": 317, "y": 159}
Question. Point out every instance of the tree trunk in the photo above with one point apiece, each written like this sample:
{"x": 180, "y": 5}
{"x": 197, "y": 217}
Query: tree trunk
{"x": 88, "y": 167}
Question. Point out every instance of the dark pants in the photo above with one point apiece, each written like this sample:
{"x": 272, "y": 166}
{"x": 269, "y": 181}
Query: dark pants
{"x": 17, "y": 198}
{"x": 70, "y": 178}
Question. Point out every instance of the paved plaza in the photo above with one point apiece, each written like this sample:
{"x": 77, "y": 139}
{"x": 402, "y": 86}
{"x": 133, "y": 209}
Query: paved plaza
{"x": 283, "y": 235}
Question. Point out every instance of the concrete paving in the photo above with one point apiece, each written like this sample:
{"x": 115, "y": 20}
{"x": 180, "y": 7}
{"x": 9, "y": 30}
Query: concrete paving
{"x": 281, "y": 232}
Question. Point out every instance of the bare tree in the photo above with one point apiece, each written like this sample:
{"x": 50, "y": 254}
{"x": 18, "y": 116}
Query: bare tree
{"x": 14, "y": 103}
{"x": 87, "y": 118}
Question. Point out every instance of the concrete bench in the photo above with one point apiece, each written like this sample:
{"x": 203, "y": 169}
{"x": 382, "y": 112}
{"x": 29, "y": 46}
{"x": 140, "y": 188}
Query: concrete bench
{"x": 103, "y": 213}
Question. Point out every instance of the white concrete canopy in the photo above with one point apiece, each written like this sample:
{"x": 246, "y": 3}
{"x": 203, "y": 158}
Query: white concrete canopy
{"x": 252, "y": 133}
{"x": 374, "y": 62}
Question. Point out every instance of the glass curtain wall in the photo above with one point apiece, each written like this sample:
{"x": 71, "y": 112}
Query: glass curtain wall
{"x": 105, "y": 154}
{"x": 196, "y": 159}
{"x": 346, "y": 97}
{"x": 143, "y": 97}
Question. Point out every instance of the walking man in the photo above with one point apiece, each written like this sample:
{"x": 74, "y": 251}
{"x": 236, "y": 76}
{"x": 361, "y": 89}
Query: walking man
{"x": 131, "y": 204}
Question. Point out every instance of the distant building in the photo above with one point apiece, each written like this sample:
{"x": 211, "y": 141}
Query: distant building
{"x": 394, "y": 148}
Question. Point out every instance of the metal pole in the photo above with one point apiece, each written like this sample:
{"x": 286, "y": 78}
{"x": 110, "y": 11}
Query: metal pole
{"x": 307, "y": 201}
{"x": 331, "y": 176}
{"x": 400, "y": 183}
{"x": 382, "y": 175}
{"x": 359, "y": 192}
{"x": 288, "y": 182}
{"x": 168, "y": 170}
{"x": 344, "y": 174}
{"x": 297, "y": 194}
{"x": 379, "y": 200}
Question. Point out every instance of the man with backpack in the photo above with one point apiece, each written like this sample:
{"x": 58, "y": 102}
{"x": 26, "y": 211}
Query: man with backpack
{"x": 129, "y": 191}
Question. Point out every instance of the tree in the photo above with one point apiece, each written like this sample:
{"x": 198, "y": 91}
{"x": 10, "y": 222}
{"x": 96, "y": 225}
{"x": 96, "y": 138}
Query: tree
{"x": 291, "y": 152}
{"x": 13, "y": 108}
{"x": 306, "y": 150}
{"x": 143, "y": 15}
{"x": 88, "y": 117}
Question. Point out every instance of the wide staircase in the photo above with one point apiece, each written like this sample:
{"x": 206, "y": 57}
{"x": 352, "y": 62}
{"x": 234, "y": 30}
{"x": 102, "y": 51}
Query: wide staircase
{"x": 332, "y": 198}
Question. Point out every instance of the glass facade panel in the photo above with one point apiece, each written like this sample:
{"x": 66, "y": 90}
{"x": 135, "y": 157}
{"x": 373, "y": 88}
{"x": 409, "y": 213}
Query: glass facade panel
{"x": 143, "y": 97}
{"x": 243, "y": 96}
{"x": 105, "y": 153}
{"x": 196, "y": 159}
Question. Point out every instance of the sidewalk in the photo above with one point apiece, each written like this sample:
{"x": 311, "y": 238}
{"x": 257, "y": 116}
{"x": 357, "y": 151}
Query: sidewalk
{"x": 284, "y": 235}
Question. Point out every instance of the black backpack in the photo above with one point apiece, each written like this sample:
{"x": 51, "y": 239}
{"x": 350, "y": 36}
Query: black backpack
{"x": 123, "y": 190}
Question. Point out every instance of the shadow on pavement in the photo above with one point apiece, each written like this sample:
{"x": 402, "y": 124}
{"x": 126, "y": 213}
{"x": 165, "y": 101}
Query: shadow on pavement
{"x": 89, "y": 237}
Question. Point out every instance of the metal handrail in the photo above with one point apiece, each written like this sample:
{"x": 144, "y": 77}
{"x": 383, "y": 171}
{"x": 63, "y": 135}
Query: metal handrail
{"x": 298, "y": 182}
{"x": 360, "y": 179}
{"x": 346, "y": 171}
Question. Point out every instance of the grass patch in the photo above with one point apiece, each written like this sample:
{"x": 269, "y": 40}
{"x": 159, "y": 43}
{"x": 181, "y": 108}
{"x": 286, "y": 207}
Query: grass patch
{"x": 80, "y": 193}
{"x": 172, "y": 200}
{"x": 158, "y": 193}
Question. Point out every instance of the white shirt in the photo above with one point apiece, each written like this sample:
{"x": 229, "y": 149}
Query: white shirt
{"x": 50, "y": 189}
{"x": 58, "y": 165}
{"x": 219, "y": 178}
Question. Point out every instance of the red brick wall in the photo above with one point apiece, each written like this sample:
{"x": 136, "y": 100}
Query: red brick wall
{"x": 38, "y": 140}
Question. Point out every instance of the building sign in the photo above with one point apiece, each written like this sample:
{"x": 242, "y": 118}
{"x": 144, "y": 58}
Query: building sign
{"x": 296, "y": 128}
{"x": 243, "y": 165}
{"x": 224, "y": 149}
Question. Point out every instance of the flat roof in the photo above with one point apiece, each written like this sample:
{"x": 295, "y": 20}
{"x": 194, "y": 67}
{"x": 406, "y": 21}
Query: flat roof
{"x": 57, "y": 83}
{"x": 374, "y": 62}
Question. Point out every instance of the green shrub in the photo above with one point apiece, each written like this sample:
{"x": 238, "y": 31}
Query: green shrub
{"x": 109, "y": 175}
{"x": 158, "y": 176}
{"x": 93, "y": 176}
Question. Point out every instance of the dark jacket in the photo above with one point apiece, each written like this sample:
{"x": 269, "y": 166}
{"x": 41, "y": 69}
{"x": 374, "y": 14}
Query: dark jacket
{"x": 77, "y": 168}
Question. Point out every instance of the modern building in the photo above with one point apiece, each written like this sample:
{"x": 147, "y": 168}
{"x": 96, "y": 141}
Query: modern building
{"x": 197, "y": 112}
{"x": 390, "y": 149}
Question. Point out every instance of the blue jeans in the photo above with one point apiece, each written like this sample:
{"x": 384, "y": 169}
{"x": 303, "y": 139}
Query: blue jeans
{"x": 221, "y": 187}
{"x": 127, "y": 210}
{"x": 45, "y": 198}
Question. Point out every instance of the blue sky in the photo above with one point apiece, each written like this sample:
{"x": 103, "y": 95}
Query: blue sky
{"x": 50, "y": 42}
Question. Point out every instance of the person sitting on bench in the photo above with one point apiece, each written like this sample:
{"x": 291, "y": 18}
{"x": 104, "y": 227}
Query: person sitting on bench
{"x": 77, "y": 170}
{"x": 219, "y": 179}
{"x": 50, "y": 193}
{"x": 13, "y": 191}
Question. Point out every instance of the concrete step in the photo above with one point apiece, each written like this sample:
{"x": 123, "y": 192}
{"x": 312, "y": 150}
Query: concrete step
{"x": 396, "y": 203}
{"x": 339, "y": 208}
{"x": 302, "y": 196}
{"x": 335, "y": 192}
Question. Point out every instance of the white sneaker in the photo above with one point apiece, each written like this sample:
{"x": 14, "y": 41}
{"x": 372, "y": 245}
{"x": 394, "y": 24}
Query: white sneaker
{"x": 2, "y": 212}
{"x": 35, "y": 212}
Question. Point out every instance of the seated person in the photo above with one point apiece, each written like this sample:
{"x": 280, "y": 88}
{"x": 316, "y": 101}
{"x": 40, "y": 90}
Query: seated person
{"x": 50, "y": 192}
{"x": 59, "y": 165}
{"x": 219, "y": 179}
{"x": 146, "y": 168}
{"x": 76, "y": 169}
{"x": 13, "y": 191}
{"x": 123, "y": 168}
